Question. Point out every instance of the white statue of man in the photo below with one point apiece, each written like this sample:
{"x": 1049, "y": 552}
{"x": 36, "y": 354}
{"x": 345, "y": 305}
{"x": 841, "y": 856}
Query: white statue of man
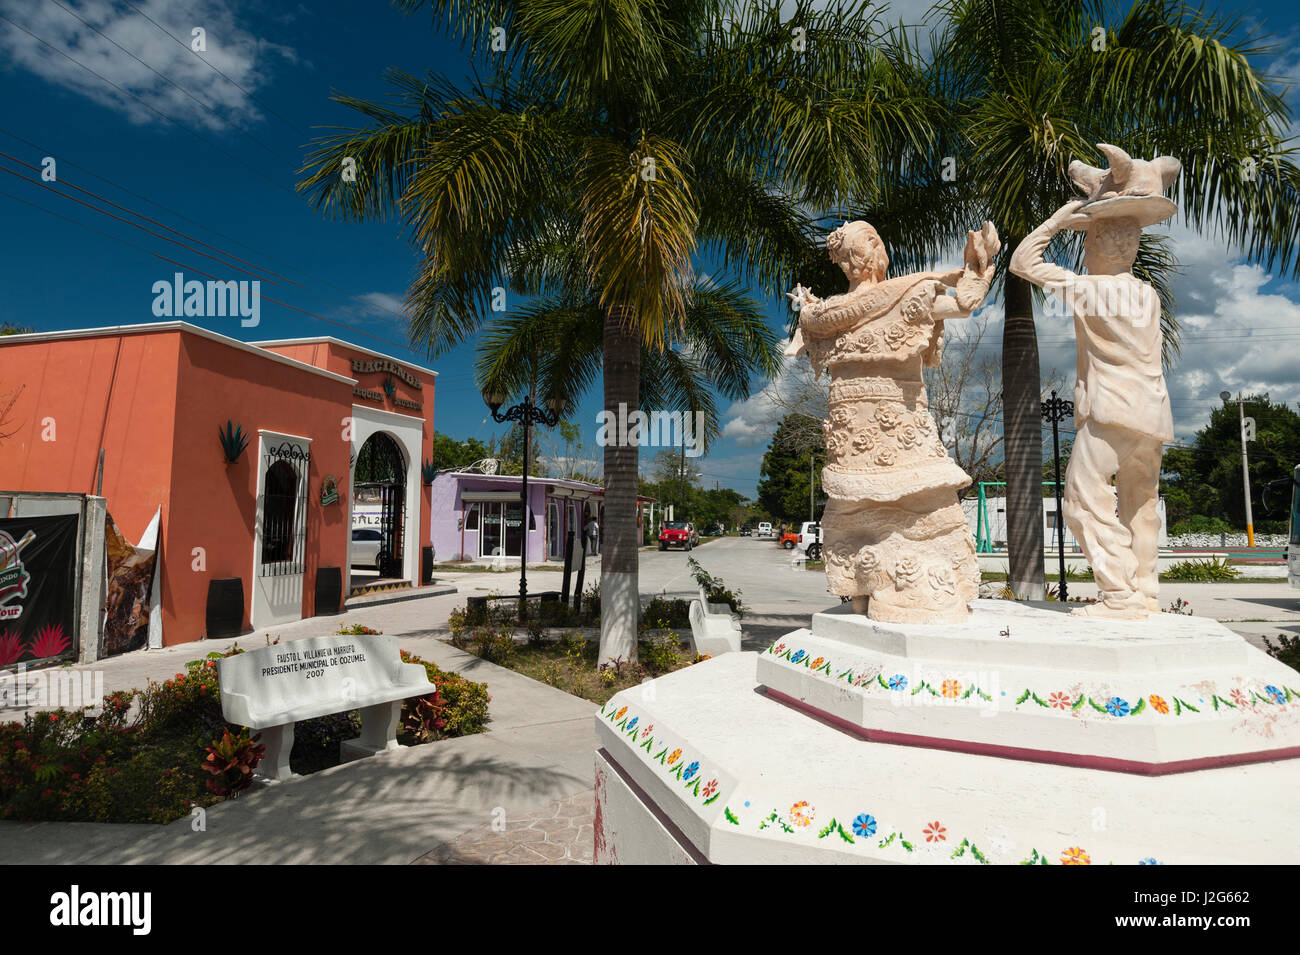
{"x": 1121, "y": 405}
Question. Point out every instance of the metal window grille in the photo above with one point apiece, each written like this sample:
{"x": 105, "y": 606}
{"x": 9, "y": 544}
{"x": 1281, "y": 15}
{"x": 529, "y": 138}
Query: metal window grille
{"x": 284, "y": 511}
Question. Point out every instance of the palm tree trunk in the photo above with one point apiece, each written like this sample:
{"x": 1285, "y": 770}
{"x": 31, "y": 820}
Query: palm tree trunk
{"x": 620, "y": 604}
{"x": 1021, "y": 394}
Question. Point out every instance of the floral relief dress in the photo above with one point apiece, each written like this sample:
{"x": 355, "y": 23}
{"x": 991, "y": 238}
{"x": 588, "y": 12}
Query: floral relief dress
{"x": 893, "y": 530}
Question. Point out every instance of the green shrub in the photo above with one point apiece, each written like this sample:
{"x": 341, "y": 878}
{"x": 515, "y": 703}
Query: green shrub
{"x": 715, "y": 589}
{"x": 464, "y": 703}
{"x": 157, "y": 783}
{"x": 1287, "y": 649}
{"x": 1202, "y": 570}
{"x": 666, "y": 612}
{"x": 1201, "y": 524}
{"x": 659, "y": 654}
{"x": 64, "y": 765}
{"x": 494, "y": 644}
{"x": 458, "y": 624}
{"x": 576, "y": 649}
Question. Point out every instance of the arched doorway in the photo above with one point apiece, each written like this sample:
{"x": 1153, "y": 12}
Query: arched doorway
{"x": 379, "y": 477}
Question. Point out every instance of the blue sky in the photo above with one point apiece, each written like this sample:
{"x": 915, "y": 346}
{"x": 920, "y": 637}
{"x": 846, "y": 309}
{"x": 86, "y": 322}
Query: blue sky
{"x": 223, "y": 173}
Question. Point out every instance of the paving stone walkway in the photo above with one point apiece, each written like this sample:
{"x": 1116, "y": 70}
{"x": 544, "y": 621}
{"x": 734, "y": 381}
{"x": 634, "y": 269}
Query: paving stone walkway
{"x": 560, "y": 833}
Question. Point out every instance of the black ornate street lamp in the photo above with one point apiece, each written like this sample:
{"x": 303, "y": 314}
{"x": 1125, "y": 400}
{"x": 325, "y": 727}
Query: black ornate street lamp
{"x": 527, "y": 414}
{"x": 1057, "y": 410}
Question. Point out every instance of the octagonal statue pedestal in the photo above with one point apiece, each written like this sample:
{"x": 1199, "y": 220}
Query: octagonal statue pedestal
{"x": 1020, "y": 735}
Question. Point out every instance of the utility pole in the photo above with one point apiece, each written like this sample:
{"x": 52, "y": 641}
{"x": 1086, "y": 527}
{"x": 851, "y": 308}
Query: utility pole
{"x": 1245, "y": 468}
{"x": 681, "y": 478}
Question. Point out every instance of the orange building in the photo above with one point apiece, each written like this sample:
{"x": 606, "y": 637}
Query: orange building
{"x": 136, "y": 413}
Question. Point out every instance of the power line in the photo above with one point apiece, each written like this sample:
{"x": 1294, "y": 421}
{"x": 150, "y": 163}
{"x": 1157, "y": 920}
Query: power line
{"x": 165, "y": 79}
{"x": 193, "y": 222}
{"x": 50, "y": 187}
{"x": 256, "y": 171}
{"x": 292, "y": 125}
{"x": 182, "y": 265}
{"x": 136, "y": 225}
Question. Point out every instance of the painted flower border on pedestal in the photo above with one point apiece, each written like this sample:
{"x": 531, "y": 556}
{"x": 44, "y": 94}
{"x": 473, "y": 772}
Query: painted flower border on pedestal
{"x": 1243, "y": 698}
{"x": 863, "y": 831}
{"x": 671, "y": 757}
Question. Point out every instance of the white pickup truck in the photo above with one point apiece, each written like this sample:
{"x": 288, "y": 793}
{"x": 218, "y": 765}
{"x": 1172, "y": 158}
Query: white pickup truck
{"x": 810, "y": 539}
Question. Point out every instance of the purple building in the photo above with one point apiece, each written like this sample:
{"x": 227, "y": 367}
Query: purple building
{"x": 479, "y": 516}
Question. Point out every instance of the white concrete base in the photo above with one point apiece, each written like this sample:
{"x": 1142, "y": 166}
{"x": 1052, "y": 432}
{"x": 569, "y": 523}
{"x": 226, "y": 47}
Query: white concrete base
{"x": 701, "y": 765}
{"x": 1166, "y": 694}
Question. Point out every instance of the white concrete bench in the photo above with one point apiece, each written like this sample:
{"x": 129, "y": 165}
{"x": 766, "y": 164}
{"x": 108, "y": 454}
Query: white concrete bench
{"x": 713, "y": 633}
{"x": 271, "y": 688}
{"x": 719, "y": 610}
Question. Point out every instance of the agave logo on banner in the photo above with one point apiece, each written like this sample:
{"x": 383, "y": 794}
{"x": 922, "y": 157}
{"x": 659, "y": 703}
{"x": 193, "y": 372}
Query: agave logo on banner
{"x": 13, "y": 576}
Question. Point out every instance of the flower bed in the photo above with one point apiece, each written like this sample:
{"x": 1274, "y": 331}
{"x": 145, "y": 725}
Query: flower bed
{"x": 152, "y": 755}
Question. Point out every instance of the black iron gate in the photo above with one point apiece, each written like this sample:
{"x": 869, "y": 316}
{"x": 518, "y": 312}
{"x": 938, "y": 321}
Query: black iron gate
{"x": 391, "y": 524}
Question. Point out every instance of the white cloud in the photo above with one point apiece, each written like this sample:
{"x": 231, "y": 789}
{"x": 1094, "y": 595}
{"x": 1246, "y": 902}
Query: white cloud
{"x": 753, "y": 420}
{"x": 231, "y": 48}
{"x": 383, "y": 306}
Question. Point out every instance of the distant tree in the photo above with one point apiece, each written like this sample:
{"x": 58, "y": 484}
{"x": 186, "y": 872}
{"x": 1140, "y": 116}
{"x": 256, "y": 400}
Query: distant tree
{"x": 1203, "y": 480}
{"x": 7, "y": 401}
{"x": 9, "y": 328}
{"x": 783, "y": 485}
{"x": 670, "y": 467}
{"x": 447, "y": 453}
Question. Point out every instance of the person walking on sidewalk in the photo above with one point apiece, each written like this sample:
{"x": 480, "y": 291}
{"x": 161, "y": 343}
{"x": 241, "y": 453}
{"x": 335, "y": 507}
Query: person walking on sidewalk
{"x": 592, "y": 534}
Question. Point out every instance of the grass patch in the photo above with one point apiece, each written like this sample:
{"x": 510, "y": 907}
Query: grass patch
{"x": 569, "y": 664}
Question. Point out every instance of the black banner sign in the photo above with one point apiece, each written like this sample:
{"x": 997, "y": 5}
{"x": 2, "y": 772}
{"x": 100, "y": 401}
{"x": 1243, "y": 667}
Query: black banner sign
{"x": 38, "y": 580}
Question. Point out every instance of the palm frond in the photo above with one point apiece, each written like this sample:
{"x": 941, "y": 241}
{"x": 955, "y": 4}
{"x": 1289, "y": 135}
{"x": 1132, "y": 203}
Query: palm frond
{"x": 639, "y": 220}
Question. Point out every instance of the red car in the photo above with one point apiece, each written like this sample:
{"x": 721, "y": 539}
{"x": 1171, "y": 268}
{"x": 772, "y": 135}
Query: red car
{"x": 677, "y": 534}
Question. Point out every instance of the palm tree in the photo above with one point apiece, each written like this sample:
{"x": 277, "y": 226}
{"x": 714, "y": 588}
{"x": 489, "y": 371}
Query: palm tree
{"x": 553, "y": 346}
{"x": 1033, "y": 84}
{"x": 643, "y": 134}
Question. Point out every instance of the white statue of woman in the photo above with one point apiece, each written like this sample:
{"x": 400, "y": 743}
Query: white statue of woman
{"x": 895, "y": 538}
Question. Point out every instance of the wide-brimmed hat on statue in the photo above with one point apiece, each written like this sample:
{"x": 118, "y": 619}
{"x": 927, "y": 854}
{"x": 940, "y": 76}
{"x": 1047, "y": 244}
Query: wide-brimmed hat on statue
{"x": 1130, "y": 188}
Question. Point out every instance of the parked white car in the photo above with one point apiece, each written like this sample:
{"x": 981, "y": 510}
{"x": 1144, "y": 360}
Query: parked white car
{"x": 810, "y": 539}
{"x": 366, "y": 542}
{"x": 765, "y": 529}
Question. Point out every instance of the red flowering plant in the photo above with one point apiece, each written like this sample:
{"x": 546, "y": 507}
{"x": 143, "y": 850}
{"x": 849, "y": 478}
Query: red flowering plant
{"x": 231, "y": 760}
{"x": 46, "y": 760}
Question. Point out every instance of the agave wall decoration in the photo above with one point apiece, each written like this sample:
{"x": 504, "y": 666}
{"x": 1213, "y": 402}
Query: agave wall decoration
{"x": 233, "y": 440}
